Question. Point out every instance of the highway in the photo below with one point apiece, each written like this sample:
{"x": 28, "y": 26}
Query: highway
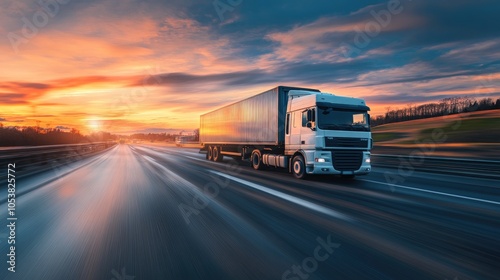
{"x": 152, "y": 212}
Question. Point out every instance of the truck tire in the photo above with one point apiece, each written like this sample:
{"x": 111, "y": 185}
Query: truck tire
{"x": 256, "y": 160}
{"x": 216, "y": 155}
{"x": 210, "y": 153}
{"x": 299, "y": 167}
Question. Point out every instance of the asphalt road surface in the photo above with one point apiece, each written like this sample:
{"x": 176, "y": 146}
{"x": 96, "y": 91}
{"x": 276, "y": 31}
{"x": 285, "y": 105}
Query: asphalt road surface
{"x": 145, "y": 212}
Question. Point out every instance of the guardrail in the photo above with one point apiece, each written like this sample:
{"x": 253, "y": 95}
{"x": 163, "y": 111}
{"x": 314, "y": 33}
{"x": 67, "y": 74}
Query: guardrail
{"x": 35, "y": 159}
{"x": 447, "y": 165}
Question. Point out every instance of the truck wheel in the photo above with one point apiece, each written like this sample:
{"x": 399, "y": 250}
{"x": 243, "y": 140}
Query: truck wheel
{"x": 257, "y": 160}
{"x": 210, "y": 153}
{"x": 216, "y": 155}
{"x": 299, "y": 167}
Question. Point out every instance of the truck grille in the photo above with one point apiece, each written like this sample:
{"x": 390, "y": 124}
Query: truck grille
{"x": 345, "y": 142}
{"x": 347, "y": 160}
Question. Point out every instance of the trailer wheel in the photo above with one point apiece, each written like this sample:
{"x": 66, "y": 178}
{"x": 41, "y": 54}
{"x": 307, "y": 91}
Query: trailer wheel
{"x": 299, "y": 167}
{"x": 210, "y": 154}
{"x": 257, "y": 160}
{"x": 216, "y": 155}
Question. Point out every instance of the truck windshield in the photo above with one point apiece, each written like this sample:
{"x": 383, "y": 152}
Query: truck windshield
{"x": 342, "y": 119}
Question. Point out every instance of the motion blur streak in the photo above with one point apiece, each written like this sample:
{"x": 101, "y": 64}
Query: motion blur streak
{"x": 290, "y": 198}
{"x": 119, "y": 212}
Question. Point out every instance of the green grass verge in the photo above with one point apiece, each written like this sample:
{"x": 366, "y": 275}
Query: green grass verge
{"x": 484, "y": 130}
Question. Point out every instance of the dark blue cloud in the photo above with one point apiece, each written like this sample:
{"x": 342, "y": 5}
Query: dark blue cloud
{"x": 426, "y": 32}
{"x": 454, "y": 21}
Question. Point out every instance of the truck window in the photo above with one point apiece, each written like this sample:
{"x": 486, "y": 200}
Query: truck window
{"x": 304, "y": 118}
{"x": 359, "y": 118}
{"x": 287, "y": 124}
{"x": 308, "y": 116}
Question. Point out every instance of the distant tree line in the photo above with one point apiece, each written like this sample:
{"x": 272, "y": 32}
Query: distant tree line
{"x": 162, "y": 137}
{"x": 153, "y": 137}
{"x": 36, "y": 136}
{"x": 444, "y": 107}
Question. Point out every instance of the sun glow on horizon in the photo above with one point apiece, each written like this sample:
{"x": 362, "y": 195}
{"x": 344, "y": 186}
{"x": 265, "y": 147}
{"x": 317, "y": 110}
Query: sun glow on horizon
{"x": 94, "y": 125}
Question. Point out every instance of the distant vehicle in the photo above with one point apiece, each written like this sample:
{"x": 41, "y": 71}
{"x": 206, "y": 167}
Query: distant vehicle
{"x": 300, "y": 129}
{"x": 181, "y": 140}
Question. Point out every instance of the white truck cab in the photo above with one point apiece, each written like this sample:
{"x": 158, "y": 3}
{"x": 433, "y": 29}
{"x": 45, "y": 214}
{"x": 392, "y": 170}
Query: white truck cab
{"x": 327, "y": 134}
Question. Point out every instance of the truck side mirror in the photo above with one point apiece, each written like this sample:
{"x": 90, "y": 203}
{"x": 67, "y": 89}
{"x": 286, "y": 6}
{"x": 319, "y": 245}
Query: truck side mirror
{"x": 311, "y": 126}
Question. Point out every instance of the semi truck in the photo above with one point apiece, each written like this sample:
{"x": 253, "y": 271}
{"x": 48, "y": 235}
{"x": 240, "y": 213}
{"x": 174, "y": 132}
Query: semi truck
{"x": 302, "y": 130}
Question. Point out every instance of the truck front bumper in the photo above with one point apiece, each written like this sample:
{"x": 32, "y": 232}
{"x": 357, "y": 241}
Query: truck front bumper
{"x": 323, "y": 163}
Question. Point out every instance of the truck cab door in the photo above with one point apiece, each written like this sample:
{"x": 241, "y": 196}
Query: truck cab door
{"x": 295, "y": 131}
{"x": 308, "y": 129}
{"x": 288, "y": 126}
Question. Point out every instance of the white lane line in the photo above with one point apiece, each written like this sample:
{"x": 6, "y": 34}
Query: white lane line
{"x": 433, "y": 192}
{"x": 150, "y": 158}
{"x": 293, "y": 199}
{"x": 163, "y": 153}
{"x": 204, "y": 160}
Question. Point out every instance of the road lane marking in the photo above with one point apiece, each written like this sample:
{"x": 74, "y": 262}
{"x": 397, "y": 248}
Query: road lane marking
{"x": 433, "y": 192}
{"x": 168, "y": 152}
{"x": 287, "y": 197}
{"x": 204, "y": 160}
{"x": 149, "y": 158}
{"x": 162, "y": 153}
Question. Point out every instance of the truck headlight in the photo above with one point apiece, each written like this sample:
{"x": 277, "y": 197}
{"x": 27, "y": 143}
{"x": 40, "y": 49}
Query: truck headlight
{"x": 367, "y": 159}
{"x": 319, "y": 160}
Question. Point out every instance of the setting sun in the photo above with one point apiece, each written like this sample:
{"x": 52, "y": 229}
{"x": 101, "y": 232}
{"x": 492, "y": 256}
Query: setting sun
{"x": 94, "y": 125}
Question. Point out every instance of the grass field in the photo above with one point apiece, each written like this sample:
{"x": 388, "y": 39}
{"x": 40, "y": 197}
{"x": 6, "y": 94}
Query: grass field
{"x": 475, "y": 134}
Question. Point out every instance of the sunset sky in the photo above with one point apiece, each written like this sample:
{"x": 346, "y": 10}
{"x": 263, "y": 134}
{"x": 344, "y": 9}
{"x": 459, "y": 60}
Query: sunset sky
{"x": 154, "y": 66}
